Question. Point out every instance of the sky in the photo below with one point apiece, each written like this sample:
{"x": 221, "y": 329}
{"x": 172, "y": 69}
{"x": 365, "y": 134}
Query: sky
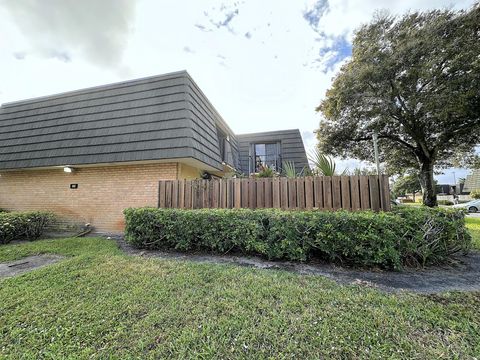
{"x": 264, "y": 65}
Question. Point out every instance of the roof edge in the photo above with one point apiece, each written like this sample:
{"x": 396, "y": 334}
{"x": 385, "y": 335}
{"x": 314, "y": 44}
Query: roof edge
{"x": 269, "y": 132}
{"x": 92, "y": 88}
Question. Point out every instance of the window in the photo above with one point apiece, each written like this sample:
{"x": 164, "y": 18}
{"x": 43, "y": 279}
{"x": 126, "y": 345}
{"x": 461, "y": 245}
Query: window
{"x": 221, "y": 136}
{"x": 267, "y": 155}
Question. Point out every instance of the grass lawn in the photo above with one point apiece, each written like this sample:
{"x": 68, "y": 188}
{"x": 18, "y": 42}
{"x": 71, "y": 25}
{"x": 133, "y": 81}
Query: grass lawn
{"x": 99, "y": 303}
{"x": 473, "y": 224}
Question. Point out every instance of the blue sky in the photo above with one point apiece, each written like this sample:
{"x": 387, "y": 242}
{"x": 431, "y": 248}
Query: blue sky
{"x": 264, "y": 65}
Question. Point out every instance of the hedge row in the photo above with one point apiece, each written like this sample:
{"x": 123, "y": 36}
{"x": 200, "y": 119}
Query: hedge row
{"x": 403, "y": 237}
{"x": 23, "y": 225}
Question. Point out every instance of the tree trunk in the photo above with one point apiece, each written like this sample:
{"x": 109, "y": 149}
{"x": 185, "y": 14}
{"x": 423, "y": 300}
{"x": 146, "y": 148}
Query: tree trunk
{"x": 428, "y": 184}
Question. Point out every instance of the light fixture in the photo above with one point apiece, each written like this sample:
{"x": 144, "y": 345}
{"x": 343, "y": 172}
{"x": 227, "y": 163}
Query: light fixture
{"x": 67, "y": 169}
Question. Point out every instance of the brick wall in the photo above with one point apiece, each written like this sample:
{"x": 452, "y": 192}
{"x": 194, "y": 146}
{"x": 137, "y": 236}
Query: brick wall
{"x": 101, "y": 196}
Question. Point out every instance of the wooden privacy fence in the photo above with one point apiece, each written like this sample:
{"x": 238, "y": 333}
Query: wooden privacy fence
{"x": 321, "y": 192}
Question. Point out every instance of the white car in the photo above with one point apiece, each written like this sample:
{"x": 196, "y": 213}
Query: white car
{"x": 471, "y": 206}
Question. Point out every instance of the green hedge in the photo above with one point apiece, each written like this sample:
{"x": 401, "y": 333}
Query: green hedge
{"x": 23, "y": 225}
{"x": 405, "y": 236}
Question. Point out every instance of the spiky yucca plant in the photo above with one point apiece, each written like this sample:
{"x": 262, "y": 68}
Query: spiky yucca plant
{"x": 324, "y": 165}
{"x": 288, "y": 169}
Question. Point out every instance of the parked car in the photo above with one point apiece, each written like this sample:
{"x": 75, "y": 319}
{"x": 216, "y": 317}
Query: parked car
{"x": 471, "y": 206}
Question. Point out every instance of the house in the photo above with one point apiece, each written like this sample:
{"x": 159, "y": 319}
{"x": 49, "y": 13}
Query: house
{"x": 88, "y": 154}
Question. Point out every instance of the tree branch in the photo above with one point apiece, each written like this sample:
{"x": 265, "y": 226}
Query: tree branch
{"x": 386, "y": 136}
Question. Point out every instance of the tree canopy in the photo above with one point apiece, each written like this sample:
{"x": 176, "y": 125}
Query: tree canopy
{"x": 415, "y": 80}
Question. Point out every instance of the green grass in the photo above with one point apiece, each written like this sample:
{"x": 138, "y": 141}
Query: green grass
{"x": 473, "y": 224}
{"x": 98, "y": 303}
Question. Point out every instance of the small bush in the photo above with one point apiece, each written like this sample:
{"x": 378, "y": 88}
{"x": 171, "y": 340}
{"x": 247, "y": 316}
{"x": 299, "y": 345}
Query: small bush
{"x": 23, "y": 225}
{"x": 475, "y": 194}
{"x": 405, "y": 236}
{"x": 445, "y": 202}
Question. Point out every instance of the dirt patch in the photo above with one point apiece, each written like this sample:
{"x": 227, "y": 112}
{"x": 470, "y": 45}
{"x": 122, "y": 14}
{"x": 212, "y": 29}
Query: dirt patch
{"x": 463, "y": 276}
{"x": 27, "y": 264}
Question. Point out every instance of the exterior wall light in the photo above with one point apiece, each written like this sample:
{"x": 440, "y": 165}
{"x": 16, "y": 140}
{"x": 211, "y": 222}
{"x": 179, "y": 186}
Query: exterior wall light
{"x": 67, "y": 169}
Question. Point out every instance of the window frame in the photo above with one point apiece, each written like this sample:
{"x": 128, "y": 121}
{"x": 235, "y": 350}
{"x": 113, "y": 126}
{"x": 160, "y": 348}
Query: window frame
{"x": 263, "y": 157}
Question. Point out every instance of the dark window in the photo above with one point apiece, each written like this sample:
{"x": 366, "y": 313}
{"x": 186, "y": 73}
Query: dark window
{"x": 222, "y": 138}
{"x": 267, "y": 155}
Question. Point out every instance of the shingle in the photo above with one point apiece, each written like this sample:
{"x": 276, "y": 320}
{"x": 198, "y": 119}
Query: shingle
{"x": 144, "y": 119}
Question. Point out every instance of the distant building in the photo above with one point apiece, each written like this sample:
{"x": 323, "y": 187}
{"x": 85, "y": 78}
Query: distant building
{"x": 472, "y": 182}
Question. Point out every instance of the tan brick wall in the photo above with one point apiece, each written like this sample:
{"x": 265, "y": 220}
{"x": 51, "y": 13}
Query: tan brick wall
{"x": 188, "y": 172}
{"x": 102, "y": 195}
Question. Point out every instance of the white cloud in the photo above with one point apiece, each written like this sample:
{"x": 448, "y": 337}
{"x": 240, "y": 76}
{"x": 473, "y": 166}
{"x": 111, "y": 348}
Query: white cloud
{"x": 62, "y": 29}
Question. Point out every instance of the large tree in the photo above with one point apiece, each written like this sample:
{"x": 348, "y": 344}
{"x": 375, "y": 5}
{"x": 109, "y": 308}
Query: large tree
{"x": 415, "y": 81}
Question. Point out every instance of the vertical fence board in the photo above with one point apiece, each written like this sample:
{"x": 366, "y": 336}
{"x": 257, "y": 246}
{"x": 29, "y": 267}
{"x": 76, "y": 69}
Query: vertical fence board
{"x": 355, "y": 193}
{"x": 318, "y": 190}
{"x": 252, "y": 192}
{"x": 260, "y": 193}
{"x": 193, "y": 194}
{"x": 327, "y": 192}
{"x": 244, "y": 191}
{"x": 161, "y": 194}
{"x": 181, "y": 194}
{"x": 209, "y": 197}
{"x": 284, "y": 193}
{"x": 188, "y": 194}
{"x": 364, "y": 192}
{"x": 292, "y": 194}
{"x": 374, "y": 192}
{"x": 268, "y": 193}
{"x": 346, "y": 196}
{"x": 199, "y": 194}
{"x": 229, "y": 193}
{"x": 276, "y": 203}
{"x": 175, "y": 194}
{"x": 205, "y": 194}
{"x": 168, "y": 194}
{"x": 336, "y": 192}
{"x": 300, "y": 193}
{"x": 309, "y": 197}
{"x": 237, "y": 193}
{"x": 215, "y": 194}
{"x": 223, "y": 194}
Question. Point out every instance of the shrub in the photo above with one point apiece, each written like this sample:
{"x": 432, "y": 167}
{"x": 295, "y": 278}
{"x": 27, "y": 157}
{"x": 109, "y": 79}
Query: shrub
{"x": 405, "y": 236}
{"x": 475, "y": 194}
{"x": 23, "y": 225}
{"x": 432, "y": 235}
{"x": 445, "y": 202}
